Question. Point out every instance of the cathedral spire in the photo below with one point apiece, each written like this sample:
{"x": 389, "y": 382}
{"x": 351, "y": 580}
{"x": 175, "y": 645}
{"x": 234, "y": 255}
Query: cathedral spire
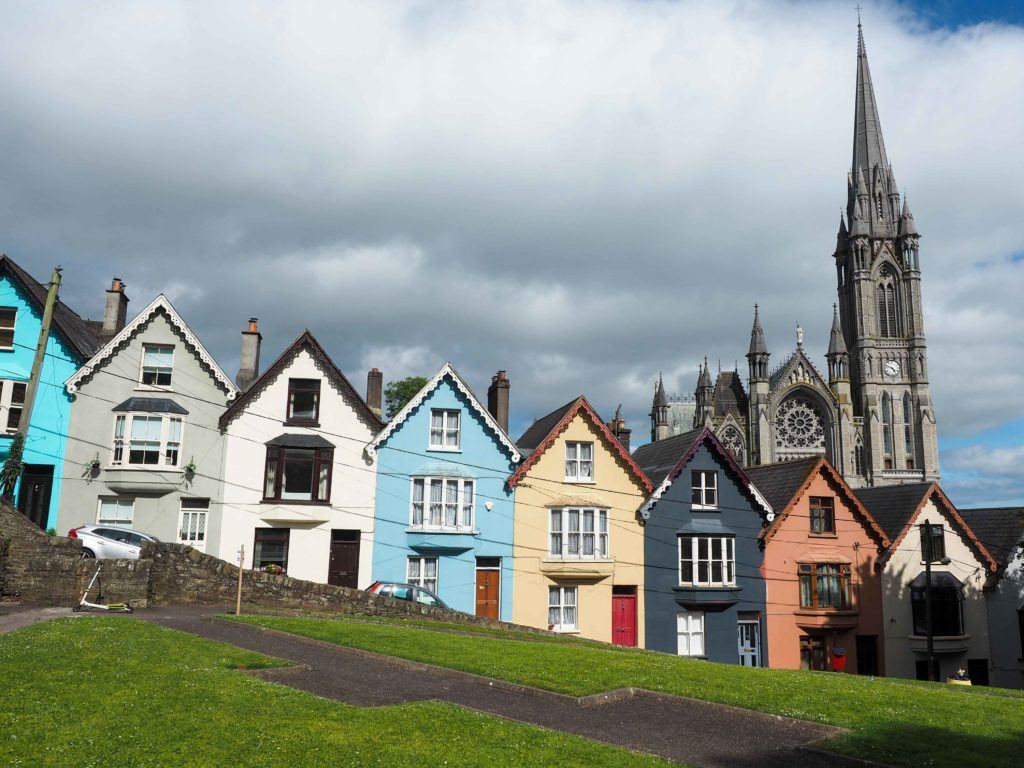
{"x": 868, "y": 146}
{"x": 659, "y": 412}
{"x": 757, "y": 356}
{"x": 836, "y": 344}
{"x": 907, "y": 226}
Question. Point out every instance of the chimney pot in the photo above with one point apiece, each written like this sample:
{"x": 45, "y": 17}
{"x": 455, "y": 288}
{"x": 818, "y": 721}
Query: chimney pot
{"x": 497, "y": 399}
{"x": 374, "y": 390}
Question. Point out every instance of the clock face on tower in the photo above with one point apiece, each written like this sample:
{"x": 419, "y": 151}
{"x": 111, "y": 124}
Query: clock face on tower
{"x": 892, "y": 368}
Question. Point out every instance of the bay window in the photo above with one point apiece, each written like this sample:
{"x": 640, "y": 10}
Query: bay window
{"x": 579, "y": 462}
{"x": 422, "y": 572}
{"x": 562, "y": 609}
{"x": 707, "y": 561}
{"x": 153, "y": 440}
{"x": 578, "y": 534}
{"x": 442, "y": 503}
{"x": 825, "y": 586}
{"x": 444, "y": 430}
{"x": 298, "y": 474}
{"x": 947, "y": 616}
{"x": 704, "y": 489}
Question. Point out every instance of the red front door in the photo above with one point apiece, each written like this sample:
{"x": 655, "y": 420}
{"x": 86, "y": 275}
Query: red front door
{"x": 624, "y": 619}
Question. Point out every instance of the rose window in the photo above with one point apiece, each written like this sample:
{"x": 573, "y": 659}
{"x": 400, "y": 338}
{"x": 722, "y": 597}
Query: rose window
{"x": 799, "y": 428}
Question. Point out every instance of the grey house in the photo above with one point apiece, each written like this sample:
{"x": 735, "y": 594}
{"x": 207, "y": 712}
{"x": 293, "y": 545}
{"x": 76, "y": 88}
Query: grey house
{"x": 144, "y": 450}
{"x": 1002, "y": 532}
{"x": 704, "y": 594}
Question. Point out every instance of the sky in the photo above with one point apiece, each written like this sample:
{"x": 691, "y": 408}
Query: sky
{"x": 584, "y": 194}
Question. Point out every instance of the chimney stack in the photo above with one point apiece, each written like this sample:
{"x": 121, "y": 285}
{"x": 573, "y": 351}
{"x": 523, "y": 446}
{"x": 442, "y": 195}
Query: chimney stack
{"x": 374, "y": 390}
{"x": 497, "y": 399}
{"x": 249, "y": 364}
{"x": 617, "y": 426}
{"x": 115, "y": 314}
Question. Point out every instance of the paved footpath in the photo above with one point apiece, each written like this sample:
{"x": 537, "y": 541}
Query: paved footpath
{"x": 683, "y": 730}
{"x": 14, "y": 617}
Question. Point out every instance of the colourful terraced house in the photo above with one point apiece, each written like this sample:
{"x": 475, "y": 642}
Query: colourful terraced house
{"x": 579, "y": 544}
{"x": 444, "y": 512}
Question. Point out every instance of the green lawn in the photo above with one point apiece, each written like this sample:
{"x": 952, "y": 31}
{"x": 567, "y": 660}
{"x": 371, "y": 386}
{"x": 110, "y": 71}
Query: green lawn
{"x": 111, "y": 691}
{"x": 891, "y": 721}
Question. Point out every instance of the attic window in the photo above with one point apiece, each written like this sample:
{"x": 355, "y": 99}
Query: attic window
{"x": 303, "y": 401}
{"x": 157, "y": 364}
{"x": 7, "y": 317}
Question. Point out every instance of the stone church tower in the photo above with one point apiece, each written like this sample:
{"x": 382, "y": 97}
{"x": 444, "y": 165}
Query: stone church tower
{"x": 872, "y": 417}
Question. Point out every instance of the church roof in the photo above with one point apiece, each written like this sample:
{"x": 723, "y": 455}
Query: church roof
{"x": 729, "y": 396}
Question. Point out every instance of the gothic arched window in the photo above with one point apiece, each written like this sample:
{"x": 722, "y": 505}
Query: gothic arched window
{"x": 888, "y": 304}
{"x": 908, "y": 429}
{"x": 799, "y": 428}
{"x": 887, "y": 428}
{"x": 858, "y": 457}
{"x": 733, "y": 442}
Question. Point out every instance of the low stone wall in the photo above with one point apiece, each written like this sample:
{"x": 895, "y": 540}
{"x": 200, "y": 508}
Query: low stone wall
{"x": 37, "y": 569}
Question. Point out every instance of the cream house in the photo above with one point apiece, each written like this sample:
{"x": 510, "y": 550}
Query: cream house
{"x": 960, "y": 566}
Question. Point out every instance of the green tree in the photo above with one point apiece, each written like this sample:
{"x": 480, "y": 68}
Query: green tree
{"x": 398, "y": 393}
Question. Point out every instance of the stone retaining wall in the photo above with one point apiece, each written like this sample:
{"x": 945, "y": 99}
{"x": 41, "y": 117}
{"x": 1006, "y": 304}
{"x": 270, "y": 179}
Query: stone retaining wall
{"x": 48, "y": 570}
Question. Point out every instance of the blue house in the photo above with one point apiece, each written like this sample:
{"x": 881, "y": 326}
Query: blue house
{"x": 443, "y": 511}
{"x": 72, "y": 341}
{"x": 703, "y": 587}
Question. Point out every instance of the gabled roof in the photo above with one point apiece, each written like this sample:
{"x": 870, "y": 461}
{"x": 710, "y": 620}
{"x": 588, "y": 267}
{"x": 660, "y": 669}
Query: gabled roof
{"x": 658, "y": 458}
{"x": 896, "y": 508}
{"x": 679, "y": 450}
{"x": 1000, "y": 529}
{"x": 447, "y": 371}
{"x": 307, "y": 342}
{"x": 157, "y": 306}
{"x": 813, "y": 377}
{"x": 73, "y": 329}
{"x": 549, "y": 427}
{"x": 785, "y": 482}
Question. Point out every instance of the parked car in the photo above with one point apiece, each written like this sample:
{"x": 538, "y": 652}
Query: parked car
{"x": 409, "y": 592}
{"x": 107, "y": 542}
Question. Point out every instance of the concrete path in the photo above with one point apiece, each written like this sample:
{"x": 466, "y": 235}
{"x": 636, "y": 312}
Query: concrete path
{"x": 683, "y": 730}
{"x": 14, "y": 617}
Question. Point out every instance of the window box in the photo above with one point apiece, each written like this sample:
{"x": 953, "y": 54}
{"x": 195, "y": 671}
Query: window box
{"x": 445, "y": 430}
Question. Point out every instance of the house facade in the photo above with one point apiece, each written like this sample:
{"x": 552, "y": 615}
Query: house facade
{"x": 144, "y": 449}
{"x": 705, "y": 591}
{"x": 820, "y": 568}
{"x": 298, "y": 489}
{"x": 71, "y": 342}
{"x": 578, "y": 541}
{"x": 1001, "y": 531}
{"x": 960, "y": 567}
{"x": 444, "y": 512}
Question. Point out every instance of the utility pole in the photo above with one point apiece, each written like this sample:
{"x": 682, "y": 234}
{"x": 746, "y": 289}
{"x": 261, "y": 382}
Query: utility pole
{"x": 928, "y": 550}
{"x": 13, "y": 466}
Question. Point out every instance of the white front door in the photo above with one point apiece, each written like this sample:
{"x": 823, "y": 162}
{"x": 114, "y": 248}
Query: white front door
{"x": 192, "y": 530}
{"x": 749, "y": 638}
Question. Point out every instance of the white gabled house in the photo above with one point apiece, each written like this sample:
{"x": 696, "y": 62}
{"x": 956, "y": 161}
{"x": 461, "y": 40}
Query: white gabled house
{"x": 298, "y": 490}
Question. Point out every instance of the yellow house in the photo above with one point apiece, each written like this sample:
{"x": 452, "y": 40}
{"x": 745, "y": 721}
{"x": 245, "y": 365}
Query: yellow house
{"x": 578, "y": 546}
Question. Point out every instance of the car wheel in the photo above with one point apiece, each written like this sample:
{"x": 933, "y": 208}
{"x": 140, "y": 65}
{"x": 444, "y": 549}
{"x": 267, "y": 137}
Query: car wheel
{"x": 88, "y": 554}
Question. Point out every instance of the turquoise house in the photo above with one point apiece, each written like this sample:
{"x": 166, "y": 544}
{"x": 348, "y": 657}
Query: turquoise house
{"x": 443, "y": 511}
{"x": 71, "y": 343}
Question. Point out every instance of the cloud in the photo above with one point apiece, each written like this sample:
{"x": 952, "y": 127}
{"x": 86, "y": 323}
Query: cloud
{"x": 981, "y": 475}
{"x": 582, "y": 193}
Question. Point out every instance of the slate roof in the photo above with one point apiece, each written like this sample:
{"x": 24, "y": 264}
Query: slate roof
{"x": 78, "y": 333}
{"x": 729, "y": 396}
{"x": 892, "y": 506}
{"x": 780, "y": 482}
{"x": 150, "y": 405}
{"x": 536, "y": 432}
{"x": 657, "y": 459}
{"x": 300, "y": 440}
{"x": 999, "y": 528}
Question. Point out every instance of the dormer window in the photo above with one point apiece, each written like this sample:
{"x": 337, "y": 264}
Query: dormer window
{"x": 157, "y": 364}
{"x": 444, "y": 430}
{"x": 303, "y": 401}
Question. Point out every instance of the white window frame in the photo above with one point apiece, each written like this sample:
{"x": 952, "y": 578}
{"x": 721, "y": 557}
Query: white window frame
{"x": 143, "y": 366}
{"x": 421, "y": 512}
{"x": 120, "y": 502}
{"x": 569, "y": 525}
{"x": 727, "y": 563}
{"x": 121, "y": 438}
{"x": 6, "y": 394}
{"x": 421, "y": 580}
{"x": 448, "y": 415}
{"x": 574, "y": 462}
{"x": 197, "y": 513}
{"x": 703, "y": 488}
{"x": 690, "y": 625}
{"x": 562, "y": 591}
{"x": 12, "y": 328}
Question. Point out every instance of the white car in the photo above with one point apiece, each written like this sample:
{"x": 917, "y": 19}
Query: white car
{"x": 107, "y": 542}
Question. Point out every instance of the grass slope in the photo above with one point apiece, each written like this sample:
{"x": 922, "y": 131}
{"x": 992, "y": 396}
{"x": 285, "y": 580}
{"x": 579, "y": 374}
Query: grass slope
{"x": 110, "y": 691}
{"x": 891, "y": 721}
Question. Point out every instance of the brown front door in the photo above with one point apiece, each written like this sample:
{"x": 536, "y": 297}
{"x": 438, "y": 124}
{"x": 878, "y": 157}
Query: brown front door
{"x": 343, "y": 569}
{"x": 488, "y": 586}
{"x": 34, "y": 493}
